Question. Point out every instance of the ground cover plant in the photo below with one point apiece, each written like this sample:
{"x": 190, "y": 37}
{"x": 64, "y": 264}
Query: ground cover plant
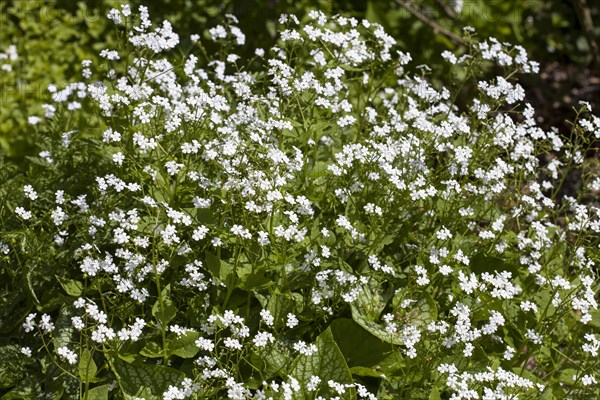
{"x": 316, "y": 221}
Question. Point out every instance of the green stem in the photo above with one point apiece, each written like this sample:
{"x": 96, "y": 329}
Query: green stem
{"x": 161, "y": 304}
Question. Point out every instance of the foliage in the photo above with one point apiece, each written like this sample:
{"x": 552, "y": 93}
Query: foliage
{"x": 318, "y": 218}
{"x": 55, "y": 36}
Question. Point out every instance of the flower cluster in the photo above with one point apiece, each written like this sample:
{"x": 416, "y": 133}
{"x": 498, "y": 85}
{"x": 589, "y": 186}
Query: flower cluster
{"x": 244, "y": 224}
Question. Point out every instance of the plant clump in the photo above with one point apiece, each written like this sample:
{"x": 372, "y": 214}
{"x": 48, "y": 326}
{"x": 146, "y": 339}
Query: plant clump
{"x": 319, "y": 221}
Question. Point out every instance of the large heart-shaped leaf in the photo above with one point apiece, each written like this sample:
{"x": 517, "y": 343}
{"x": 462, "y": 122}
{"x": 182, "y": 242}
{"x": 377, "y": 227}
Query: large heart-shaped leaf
{"x": 327, "y": 363}
{"x": 152, "y": 380}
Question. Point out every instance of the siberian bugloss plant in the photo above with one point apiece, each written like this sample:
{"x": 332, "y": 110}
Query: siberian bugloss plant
{"x": 319, "y": 221}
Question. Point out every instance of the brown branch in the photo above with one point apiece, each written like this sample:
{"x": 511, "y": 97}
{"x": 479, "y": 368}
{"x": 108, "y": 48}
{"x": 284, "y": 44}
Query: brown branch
{"x": 584, "y": 15}
{"x": 447, "y": 9}
{"x": 408, "y": 6}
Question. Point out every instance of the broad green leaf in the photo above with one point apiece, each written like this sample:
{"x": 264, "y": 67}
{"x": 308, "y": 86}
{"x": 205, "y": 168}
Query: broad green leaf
{"x": 70, "y": 286}
{"x": 11, "y": 368}
{"x": 566, "y": 376}
{"x": 168, "y": 311}
{"x": 327, "y": 363}
{"x": 347, "y": 67}
{"x": 151, "y": 379}
{"x": 279, "y": 306}
{"x": 202, "y": 215}
{"x": 14, "y": 307}
{"x": 595, "y": 322}
{"x": 418, "y": 314}
{"x": 275, "y": 361}
{"x": 63, "y": 332}
{"x": 547, "y": 394}
{"x": 272, "y": 361}
{"x": 218, "y": 268}
{"x": 366, "y": 310}
{"x": 359, "y": 347}
{"x": 435, "y": 394}
{"x": 152, "y": 350}
{"x": 365, "y": 371}
{"x": 97, "y": 393}
{"x": 58, "y": 385}
{"x": 184, "y": 346}
{"x": 253, "y": 280}
{"x": 393, "y": 364}
{"x": 87, "y": 366}
{"x": 481, "y": 263}
{"x": 27, "y": 389}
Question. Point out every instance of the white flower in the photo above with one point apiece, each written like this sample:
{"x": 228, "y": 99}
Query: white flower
{"x": 509, "y": 353}
{"x": 533, "y": 336}
{"x": 588, "y": 380}
{"x": 314, "y": 382}
{"x": 173, "y": 168}
{"x": 58, "y": 216}
{"x": 77, "y": 323}
{"x": 205, "y": 344}
{"x": 232, "y": 343}
{"x": 292, "y": 321}
{"x": 443, "y": 234}
{"x": 217, "y": 32}
{"x": 21, "y": 212}
{"x": 267, "y": 317}
{"x": 30, "y": 193}
{"x": 109, "y": 54}
{"x": 304, "y": 349}
{"x": 29, "y": 323}
{"x": 262, "y": 339}
{"x": 33, "y": 120}
{"x": 67, "y": 354}
{"x": 240, "y": 231}
{"x": 199, "y": 233}
{"x": 118, "y": 158}
{"x": 46, "y": 324}
{"x": 445, "y": 270}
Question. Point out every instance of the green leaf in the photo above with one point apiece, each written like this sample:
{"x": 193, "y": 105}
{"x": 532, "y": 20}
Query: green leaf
{"x": 319, "y": 169}
{"x": 547, "y": 394}
{"x": 152, "y": 380}
{"x": 364, "y": 371}
{"x": 366, "y": 310}
{"x": 87, "y": 366}
{"x": 152, "y": 350}
{"x": 168, "y": 311}
{"x": 418, "y": 314}
{"x": 70, "y": 286}
{"x": 253, "y": 280}
{"x": 14, "y": 307}
{"x": 275, "y": 361}
{"x": 481, "y": 263}
{"x": 566, "y": 376}
{"x": 359, "y": 347}
{"x": 327, "y": 363}
{"x": 184, "y": 346}
{"x": 63, "y": 333}
{"x": 347, "y": 67}
{"x": 435, "y": 394}
{"x": 11, "y": 368}
{"x": 97, "y": 393}
{"x": 28, "y": 389}
{"x": 218, "y": 268}
{"x": 279, "y": 306}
